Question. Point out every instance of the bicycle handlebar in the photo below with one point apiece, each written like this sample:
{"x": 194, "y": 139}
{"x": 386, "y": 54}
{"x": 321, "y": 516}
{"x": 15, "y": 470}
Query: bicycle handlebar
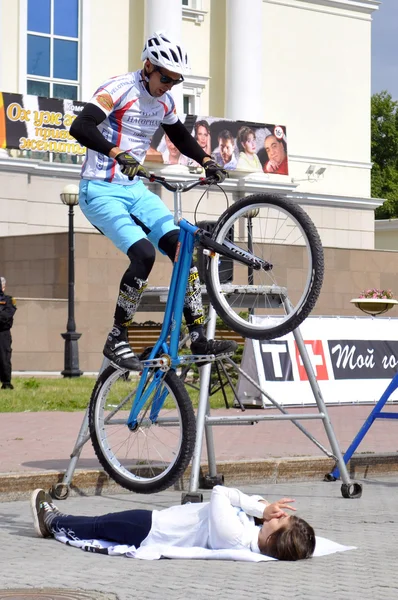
{"x": 181, "y": 186}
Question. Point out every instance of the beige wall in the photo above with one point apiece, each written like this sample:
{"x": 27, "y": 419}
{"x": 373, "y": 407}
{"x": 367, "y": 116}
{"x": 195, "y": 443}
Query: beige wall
{"x": 9, "y": 45}
{"x": 109, "y": 36}
{"x": 317, "y": 83}
{"x": 321, "y": 86}
{"x": 386, "y": 234}
{"x": 30, "y": 204}
{"x": 30, "y": 264}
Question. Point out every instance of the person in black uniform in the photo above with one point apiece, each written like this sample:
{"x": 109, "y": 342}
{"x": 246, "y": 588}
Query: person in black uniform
{"x": 7, "y": 311}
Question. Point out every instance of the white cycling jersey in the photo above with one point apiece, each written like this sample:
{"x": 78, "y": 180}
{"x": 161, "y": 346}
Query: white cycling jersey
{"x": 132, "y": 117}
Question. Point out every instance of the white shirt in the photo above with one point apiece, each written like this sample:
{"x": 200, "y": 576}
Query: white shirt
{"x": 132, "y": 117}
{"x": 226, "y": 522}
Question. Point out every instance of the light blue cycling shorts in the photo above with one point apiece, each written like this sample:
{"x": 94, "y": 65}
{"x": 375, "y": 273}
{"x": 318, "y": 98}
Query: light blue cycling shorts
{"x": 125, "y": 213}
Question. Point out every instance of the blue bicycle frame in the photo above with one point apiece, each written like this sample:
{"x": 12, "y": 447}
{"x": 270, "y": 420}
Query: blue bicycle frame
{"x": 172, "y": 318}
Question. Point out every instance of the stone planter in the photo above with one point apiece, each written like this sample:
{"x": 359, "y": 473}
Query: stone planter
{"x": 374, "y": 306}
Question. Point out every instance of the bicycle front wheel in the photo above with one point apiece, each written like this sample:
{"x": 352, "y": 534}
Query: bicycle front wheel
{"x": 156, "y": 453}
{"x": 266, "y": 304}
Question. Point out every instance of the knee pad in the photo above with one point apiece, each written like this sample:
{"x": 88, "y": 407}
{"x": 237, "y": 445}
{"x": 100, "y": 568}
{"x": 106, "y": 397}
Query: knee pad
{"x": 168, "y": 243}
{"x": 142, "y": 257}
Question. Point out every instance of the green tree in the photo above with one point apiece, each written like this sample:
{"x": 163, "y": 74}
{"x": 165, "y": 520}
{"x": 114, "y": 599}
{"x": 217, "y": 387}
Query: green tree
{"x": 384, "y": 129}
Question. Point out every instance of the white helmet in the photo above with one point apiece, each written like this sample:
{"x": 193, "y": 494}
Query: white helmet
{"x": 164, "y": 53}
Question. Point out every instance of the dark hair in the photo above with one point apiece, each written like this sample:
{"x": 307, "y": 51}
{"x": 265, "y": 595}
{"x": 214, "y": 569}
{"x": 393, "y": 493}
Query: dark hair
{"x": 293, "y": 541}
{"x": 243, "y": 135}
{"x": 226, "y": 135}
{"x": 202, "y": 123}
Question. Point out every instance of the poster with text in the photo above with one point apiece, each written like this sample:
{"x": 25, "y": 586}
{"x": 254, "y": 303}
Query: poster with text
{"x": 353, "y": 359}
{"x": 37, "y": 124}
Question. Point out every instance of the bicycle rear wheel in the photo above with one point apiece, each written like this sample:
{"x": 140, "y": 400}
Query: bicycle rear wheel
{"x": 156, "y": 453}
{"x": 266, "y": 304}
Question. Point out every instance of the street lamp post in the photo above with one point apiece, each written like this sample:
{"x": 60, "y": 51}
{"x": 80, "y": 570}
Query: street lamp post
{"x": 70, "y": 197}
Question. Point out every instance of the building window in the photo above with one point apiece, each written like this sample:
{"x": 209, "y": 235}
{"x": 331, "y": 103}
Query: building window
{"x": 194, "y": 4}
{"x": 189, "y": 105}
{"x": 192, "y": 93}
{"x": 53, "y": 48}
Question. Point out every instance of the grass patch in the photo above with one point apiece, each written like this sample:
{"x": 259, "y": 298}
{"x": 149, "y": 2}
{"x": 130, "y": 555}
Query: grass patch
{"x": 41, "y": 394}
{"x": 68, "y": 394}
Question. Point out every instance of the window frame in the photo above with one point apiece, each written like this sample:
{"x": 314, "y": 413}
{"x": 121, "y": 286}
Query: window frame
{"x": 193, "y": 11}
{"x": 24, "y": 32}
{"x": 192, "y": 4}
{"x": 193, "y": 88}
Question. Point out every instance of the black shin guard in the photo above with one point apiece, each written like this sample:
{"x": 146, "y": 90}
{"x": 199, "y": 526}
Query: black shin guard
{"x": 133, "y": 283}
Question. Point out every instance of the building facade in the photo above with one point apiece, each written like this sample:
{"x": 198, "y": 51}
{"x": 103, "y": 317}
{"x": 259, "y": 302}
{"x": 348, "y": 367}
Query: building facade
{"x": 303, "y": 64}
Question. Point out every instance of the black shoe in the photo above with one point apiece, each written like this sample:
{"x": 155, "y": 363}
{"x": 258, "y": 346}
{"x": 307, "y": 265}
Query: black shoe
{"x": 7, "y": 386}
{"x": 216, "y": 347}
{"x": 120, "y": 354}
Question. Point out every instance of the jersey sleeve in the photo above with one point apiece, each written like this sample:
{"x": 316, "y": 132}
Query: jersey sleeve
{"x": 112, "y": 95}
{"x": 170, "y": 112}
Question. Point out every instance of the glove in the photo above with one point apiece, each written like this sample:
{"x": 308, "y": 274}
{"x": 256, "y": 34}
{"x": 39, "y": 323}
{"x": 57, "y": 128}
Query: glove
{"x": 130, "y": 166}
{"x": 212, "y": 169}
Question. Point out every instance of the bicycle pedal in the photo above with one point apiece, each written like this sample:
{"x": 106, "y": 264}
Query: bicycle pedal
{"x": 118, "y": 367}
{"x": 203, "y": 357}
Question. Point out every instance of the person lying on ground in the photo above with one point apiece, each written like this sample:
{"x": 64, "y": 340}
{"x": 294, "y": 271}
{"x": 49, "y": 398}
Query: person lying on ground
{"x": 231, "y": 520}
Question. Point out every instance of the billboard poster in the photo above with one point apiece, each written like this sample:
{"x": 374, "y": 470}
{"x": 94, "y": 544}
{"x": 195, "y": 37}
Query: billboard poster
{"x": 37, "y": 124}
{"x": 235, "y": 145}
{"x": 353, "y": 358}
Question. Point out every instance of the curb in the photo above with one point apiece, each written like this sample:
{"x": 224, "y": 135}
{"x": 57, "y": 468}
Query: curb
{"x": 18, "y": 486}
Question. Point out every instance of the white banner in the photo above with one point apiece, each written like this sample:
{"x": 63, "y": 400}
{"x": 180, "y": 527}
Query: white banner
{"x": 354, "y": 360}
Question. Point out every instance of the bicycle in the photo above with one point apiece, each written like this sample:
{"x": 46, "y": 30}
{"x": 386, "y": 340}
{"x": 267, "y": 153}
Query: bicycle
{"x": 144, "y": 435}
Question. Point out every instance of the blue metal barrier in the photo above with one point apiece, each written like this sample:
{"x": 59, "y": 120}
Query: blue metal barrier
{"x": 375, "y": 414}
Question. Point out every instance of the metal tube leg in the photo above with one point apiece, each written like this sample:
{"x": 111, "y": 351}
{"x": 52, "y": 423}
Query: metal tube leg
{"x": 82, "y": 438}
{"x": 200, "y": 427}
{"x": 203, "y": 409}
{"x": 211, "y": 454}
{"x": 105, "y": 363}
{"x": 321, "y": 405}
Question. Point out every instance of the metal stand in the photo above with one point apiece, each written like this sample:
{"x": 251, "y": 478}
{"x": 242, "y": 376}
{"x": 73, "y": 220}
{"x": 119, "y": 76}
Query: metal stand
{"x": 375, "y": 414}
{"x": 60, "y": 491}
{"x": 204, "y": 423}
{"x": 154, "y": 299}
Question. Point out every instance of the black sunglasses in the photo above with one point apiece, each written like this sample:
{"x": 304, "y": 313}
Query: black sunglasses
{"x": 167, "y": 79}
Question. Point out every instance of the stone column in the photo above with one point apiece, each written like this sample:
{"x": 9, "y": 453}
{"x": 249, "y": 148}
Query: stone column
{"x": 244, "y": 97}
{"x": 166, "y": 15}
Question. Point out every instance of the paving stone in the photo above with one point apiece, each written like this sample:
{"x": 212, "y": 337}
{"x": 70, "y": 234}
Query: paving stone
{"x": 368, "y": 573}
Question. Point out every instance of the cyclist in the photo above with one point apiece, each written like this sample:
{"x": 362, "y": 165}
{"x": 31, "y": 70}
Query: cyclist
{"x": 117, "y": 126}
{"x": 231, "y": 520}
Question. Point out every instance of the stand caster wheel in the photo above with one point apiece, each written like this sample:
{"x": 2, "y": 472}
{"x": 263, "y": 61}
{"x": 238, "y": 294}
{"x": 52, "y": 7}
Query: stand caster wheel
{"x": 194, "y": 497}
{"x": 351, "y": 490}
{"x": 208, "y": 482}
{"x": 329, "y": 477}
{"x": 60, "y": 491}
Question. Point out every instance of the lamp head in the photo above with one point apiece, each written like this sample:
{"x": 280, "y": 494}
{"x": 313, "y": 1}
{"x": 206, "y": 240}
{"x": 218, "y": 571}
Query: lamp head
{"x": 70, "y": 195}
